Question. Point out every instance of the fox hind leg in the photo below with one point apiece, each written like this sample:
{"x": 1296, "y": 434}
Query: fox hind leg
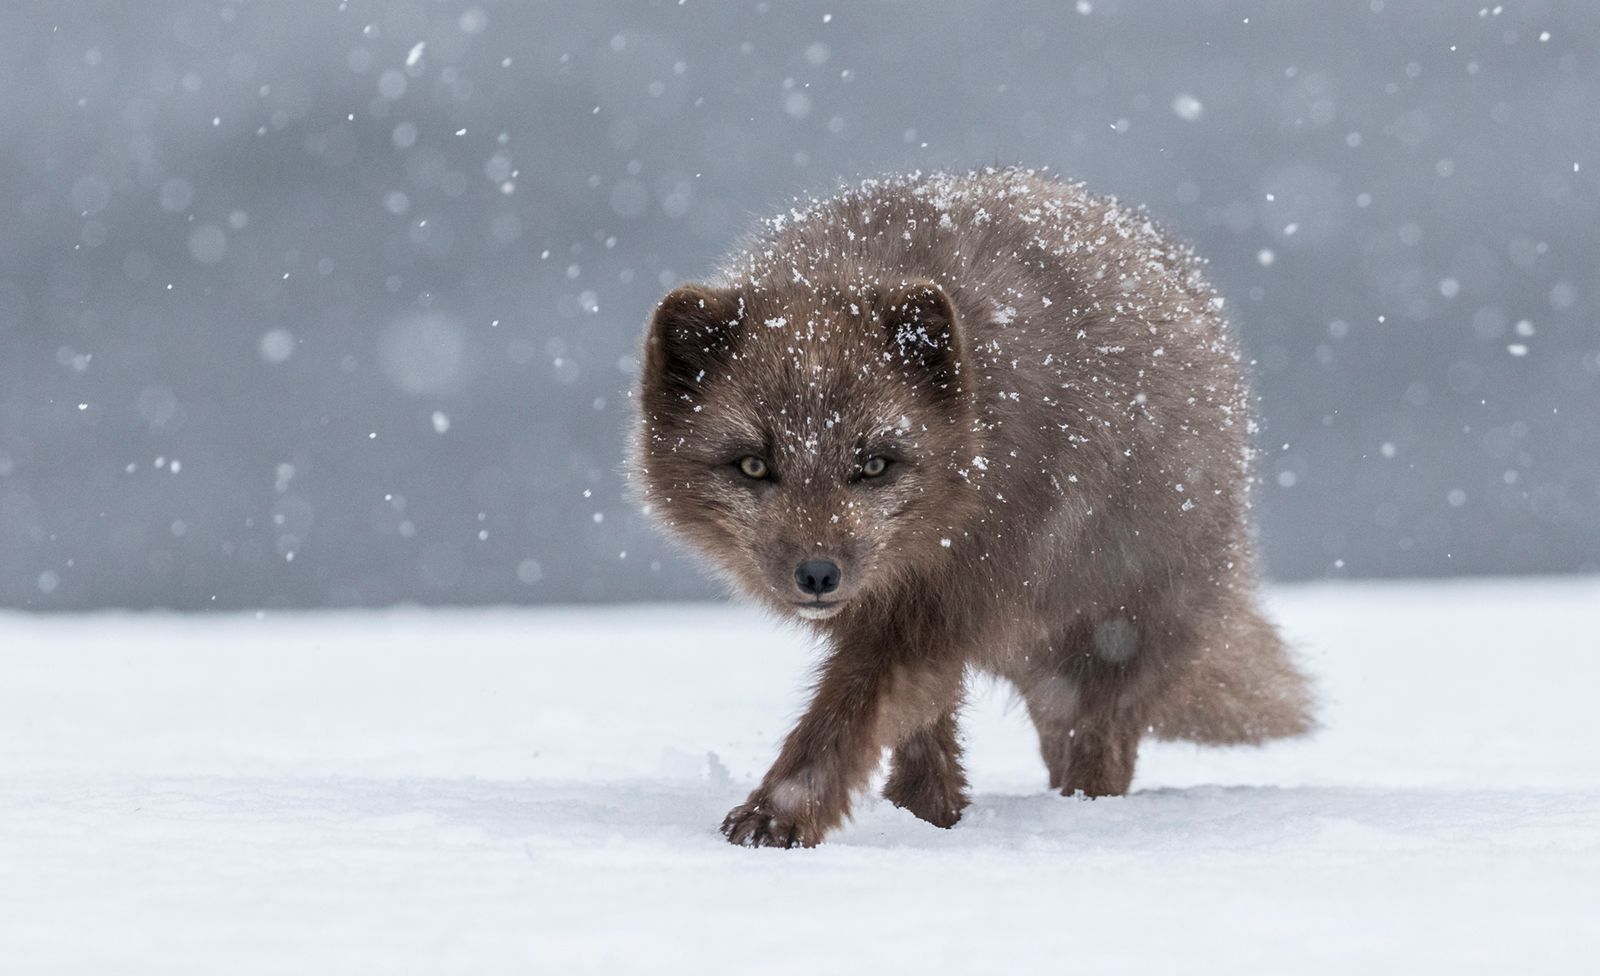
{"x": 1087, "y": 747}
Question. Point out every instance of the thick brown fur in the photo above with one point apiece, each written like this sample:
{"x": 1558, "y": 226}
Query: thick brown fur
{"x": 1067, "y": 435}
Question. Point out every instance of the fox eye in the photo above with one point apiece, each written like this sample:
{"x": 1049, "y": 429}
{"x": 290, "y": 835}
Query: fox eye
{"x": 874, "y": 466}
{"x": 753, "y": 467}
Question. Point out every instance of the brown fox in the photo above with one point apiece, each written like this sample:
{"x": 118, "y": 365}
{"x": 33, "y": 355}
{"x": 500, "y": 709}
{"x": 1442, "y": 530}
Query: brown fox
{"x": 978, "y": 421}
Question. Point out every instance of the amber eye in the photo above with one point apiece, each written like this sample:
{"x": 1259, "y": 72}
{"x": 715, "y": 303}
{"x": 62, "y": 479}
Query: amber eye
{"x": 874, "y": 466}
{"x": 752, "y": 467}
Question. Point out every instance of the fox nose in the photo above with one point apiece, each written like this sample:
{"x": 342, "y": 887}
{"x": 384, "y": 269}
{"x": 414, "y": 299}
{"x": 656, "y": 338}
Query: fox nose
{"x": 817, "y": 576}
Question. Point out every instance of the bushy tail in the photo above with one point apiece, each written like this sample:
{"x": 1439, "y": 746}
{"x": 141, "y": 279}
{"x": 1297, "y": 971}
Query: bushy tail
{"x": 1241, "y": 687}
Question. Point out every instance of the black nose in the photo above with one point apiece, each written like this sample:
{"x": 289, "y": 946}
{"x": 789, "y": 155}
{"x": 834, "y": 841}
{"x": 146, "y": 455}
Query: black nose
{"x": 817, "y": 576}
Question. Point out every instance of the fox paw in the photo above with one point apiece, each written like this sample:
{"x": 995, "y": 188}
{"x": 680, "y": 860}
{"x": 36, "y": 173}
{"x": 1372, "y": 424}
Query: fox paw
{"x": 931, "y": 791}
{"x": 755, "y": 823}
{"x": 942, "y": 809}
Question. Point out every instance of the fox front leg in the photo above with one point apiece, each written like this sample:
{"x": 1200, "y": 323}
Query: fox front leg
{"x": 925, "y": 774}
{"x": 862, "y": 704}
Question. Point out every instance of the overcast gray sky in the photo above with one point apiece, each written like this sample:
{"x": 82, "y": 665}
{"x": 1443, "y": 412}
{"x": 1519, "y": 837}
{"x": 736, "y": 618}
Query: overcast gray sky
{"x": 312, "y": 304}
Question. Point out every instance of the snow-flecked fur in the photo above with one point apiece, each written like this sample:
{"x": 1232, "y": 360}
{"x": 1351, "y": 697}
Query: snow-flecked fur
{"x": 1066, "y": 437}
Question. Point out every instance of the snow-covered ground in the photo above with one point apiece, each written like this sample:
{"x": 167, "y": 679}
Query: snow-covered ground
{"x": 538, "y": 791}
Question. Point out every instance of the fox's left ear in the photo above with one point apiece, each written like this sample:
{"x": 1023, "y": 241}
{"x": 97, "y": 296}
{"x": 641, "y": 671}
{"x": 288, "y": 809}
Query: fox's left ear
{"x": 925, "y": 337}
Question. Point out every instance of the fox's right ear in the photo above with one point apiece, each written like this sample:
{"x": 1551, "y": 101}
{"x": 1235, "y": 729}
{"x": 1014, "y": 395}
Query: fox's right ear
{"x": 691, "y": 332}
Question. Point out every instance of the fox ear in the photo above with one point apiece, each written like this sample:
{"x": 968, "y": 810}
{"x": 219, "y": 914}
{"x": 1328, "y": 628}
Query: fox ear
{"x": 692, "y": 331}
{"x": 925, "y": 336}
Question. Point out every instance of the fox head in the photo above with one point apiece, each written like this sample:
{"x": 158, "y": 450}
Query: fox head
{"x": 812, "y": 444}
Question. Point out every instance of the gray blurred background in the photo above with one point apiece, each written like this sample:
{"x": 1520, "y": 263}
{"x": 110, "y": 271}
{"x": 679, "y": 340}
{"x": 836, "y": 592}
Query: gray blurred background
{"x": 322, "y": 304}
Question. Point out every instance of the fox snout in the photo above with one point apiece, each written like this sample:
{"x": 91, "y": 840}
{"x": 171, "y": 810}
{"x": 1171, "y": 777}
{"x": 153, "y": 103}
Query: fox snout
{"x": 817, "y": 577}
{"x": 817, "y": 584}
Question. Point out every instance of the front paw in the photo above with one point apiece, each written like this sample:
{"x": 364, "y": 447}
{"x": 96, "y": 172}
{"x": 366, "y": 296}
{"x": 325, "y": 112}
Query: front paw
{"x": 939, "y": 803}
{"x": 928, "y": 784}
{"x": 755, "y": 823}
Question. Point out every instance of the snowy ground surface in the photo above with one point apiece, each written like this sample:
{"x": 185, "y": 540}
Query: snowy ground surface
{"x": 531, "y": 791}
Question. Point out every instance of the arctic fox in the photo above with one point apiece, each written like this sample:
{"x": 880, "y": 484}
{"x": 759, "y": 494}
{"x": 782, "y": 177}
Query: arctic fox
{"x": 983, "y": 421}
